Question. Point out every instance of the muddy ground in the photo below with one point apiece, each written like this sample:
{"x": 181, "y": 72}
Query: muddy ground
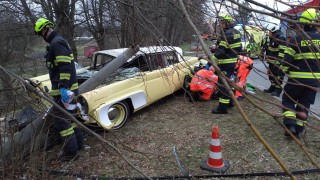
{"x": 150, "y": 137}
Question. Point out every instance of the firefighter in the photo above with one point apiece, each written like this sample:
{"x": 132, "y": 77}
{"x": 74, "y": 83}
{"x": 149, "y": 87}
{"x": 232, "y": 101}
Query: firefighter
{"x": 203, "y": 83}
{"x": 226, "y": 57}
{"x": 301, "y": 63}
{"x": 242, "y": 69}
{"x": 62, "y": 72}
{"x": 274, "y": 48}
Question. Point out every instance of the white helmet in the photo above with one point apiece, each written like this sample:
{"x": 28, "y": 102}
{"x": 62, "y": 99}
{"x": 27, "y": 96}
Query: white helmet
{"x": 201, "y": 63}
{"x": 273, "y": 27}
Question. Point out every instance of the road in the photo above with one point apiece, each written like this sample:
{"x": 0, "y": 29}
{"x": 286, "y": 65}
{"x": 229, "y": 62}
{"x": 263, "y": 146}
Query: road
{"x": 259, "y": 79}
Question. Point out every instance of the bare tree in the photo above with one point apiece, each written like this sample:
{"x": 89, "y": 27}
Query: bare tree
{"x": 100, "y": 19}
{"x": 60, "y": 12}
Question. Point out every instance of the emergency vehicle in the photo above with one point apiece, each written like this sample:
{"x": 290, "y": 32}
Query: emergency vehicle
{"x": 251, "y": 39}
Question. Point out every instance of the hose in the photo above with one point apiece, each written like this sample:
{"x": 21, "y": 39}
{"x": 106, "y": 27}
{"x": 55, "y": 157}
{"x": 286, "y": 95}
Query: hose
{"x": 183, "y": 171}
{"x": 242, "y": 175}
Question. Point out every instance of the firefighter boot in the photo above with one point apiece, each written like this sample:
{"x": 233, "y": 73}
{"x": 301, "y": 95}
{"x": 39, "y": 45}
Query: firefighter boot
{"x": 240, "y": 98}
{"x": 271, "y": 89}
{"x": 292, "y": 129}
{"x": 219, "y": 111}
{"x": 231, "y": 103}
{"x": 276, "y": 92}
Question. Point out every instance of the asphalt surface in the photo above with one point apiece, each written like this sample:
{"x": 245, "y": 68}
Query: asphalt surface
{"x": 259, "y": 79}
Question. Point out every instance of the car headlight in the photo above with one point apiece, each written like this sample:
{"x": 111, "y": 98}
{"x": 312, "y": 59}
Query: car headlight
{"x": 83, "y": 107}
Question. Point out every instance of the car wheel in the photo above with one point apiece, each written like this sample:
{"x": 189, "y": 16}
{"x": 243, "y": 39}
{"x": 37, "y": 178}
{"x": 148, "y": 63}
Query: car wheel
{"x": 118, "y": 114}
{"x": 186, "y": 82}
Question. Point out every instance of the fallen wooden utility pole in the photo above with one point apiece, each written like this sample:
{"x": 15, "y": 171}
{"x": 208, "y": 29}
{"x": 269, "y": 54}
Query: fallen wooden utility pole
{"x": 106, "y": 71}
{"x": 18, "y": 143}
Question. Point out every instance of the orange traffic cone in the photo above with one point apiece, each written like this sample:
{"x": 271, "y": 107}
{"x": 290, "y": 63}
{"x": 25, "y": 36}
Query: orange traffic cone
{"x": 215, "y": 162}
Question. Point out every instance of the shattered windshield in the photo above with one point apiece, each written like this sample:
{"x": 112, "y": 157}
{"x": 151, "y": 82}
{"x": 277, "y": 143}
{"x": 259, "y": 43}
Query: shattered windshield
{"x": 119, "y": 75}
{"x": 83, "y": 72}
{"x": 122, "y": 74}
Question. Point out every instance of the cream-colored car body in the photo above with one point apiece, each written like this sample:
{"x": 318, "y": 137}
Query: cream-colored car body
{"x": 139, "y": 90}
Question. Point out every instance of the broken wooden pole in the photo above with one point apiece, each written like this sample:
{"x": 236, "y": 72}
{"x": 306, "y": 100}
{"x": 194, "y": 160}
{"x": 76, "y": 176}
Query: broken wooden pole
{"x": 107, "y": 70}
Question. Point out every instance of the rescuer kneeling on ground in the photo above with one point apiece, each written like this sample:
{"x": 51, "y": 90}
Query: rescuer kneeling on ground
{"x": 203, "y": 83}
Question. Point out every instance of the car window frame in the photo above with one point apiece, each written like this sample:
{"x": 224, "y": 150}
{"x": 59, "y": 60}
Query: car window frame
{"x": 94, "y": 66}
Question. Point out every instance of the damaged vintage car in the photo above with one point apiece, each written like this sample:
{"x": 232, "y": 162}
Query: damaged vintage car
{"x": 151, "y": 74}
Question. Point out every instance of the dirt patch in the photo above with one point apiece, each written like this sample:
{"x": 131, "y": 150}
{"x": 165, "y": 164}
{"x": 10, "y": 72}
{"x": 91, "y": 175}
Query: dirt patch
{"x": 147, "y": 140}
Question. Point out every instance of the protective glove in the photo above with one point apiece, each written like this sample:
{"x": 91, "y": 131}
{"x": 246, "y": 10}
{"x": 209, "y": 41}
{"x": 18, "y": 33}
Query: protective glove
{"x": 64, "y": 95}
{"x": 207, "y": 66}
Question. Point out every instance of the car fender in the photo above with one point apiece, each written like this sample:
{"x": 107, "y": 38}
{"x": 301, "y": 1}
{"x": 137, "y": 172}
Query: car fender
{"x": 138, "y": 100}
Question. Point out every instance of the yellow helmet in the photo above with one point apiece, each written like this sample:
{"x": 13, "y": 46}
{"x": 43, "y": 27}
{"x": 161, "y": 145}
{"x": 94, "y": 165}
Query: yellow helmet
{"x": 309, "y": 15}
{"x": 40, "y": 24}
{"x": 225, "y": 17}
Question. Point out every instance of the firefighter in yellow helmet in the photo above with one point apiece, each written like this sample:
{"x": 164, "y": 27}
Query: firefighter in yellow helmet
{"x": 301, "y": 63}
{"x": 226, "y": 56}
{"x": 62, "y": 72}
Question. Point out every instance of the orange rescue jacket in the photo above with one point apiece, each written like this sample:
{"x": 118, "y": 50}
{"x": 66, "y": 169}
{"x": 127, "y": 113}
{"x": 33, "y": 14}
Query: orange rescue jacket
{"x": 203, "y": 79}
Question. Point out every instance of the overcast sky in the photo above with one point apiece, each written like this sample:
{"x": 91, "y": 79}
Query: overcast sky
{"x": 274, "y": 4}
{"x": 278, "y": 6}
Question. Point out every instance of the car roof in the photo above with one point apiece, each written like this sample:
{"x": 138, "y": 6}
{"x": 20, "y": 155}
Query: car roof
{"x": 142, "y": 50}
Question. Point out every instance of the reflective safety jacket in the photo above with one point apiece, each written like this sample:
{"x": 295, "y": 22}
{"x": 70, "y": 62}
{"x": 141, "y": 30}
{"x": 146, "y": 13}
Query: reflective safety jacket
{"x": 243, "y": 66}
{"x": 61, "y": 66}
{"x": 203, "y": 79}
{"x": 301, "y": 60}
{"x": 228, "y": 47}
{"x": 275, "y": 48}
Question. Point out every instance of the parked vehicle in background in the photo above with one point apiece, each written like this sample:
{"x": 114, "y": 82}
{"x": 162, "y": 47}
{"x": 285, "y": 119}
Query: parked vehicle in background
{"x": 151, "y": 74}
{"x": 251, "y": 39}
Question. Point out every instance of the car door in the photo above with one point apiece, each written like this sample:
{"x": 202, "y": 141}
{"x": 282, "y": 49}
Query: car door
{"x": 159, "y": 78}
{"x": 175, "y": 70}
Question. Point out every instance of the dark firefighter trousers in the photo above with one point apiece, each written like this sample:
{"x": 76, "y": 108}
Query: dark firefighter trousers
{"x": 69, "y": 134}
{"x": 302, "y": 95}
{"x": 224, "y": 97}
{"x": 275, "y": 74}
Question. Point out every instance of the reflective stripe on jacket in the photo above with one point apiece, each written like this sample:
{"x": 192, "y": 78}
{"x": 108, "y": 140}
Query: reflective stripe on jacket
{"x": 228, "y": 47}
{"x": 275, "y": 48}
{"x": 301, "y": 58}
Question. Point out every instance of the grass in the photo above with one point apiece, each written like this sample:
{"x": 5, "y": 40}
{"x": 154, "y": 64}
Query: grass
{"x": 185, "y": 47}
{"x": 148, "y": 138}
